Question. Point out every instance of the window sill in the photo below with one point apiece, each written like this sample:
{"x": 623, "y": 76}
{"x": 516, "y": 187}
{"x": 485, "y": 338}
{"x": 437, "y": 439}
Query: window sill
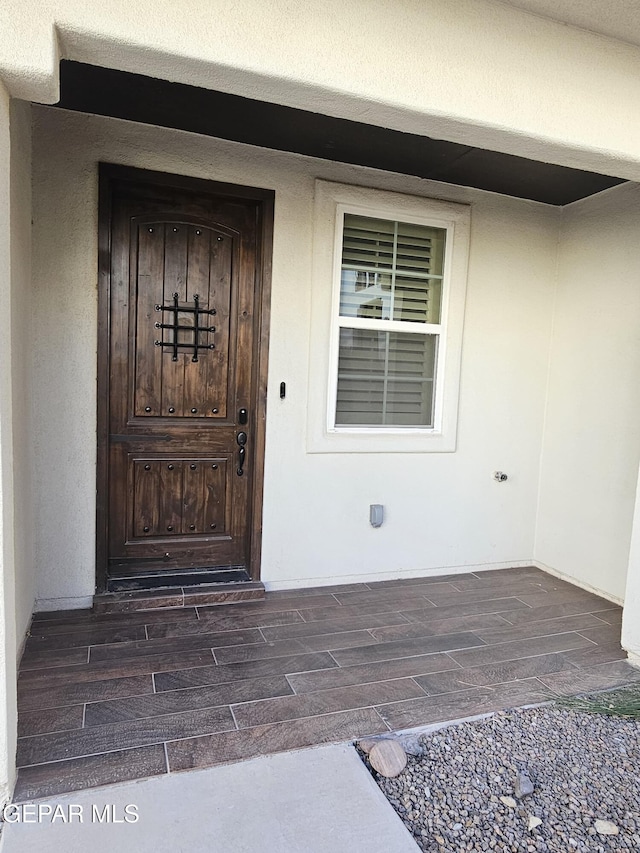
{"x": 380, "y": 441}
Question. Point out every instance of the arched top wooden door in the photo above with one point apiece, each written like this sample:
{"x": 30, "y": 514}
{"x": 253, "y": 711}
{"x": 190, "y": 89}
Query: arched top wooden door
{"x": 182, "y": 365}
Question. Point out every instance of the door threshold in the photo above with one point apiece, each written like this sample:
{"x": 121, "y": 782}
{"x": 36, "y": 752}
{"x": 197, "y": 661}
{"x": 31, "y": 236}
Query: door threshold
{"x": 173, "y": 580}
{"x": 165, "y": 598}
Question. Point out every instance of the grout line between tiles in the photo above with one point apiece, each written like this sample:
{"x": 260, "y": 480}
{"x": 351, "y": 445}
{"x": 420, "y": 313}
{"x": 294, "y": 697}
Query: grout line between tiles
{"x": 50, "y": 732}
{"x": 228, "y": 731}
{"x": 600, "y": 619}
{"x": 419, "y": 686}
{"x": 384, "y": 722}
{"x": 522, "y": 657}
{"x": 454, "y": 662}
{"x": 541, "y": 636}
{"x": 233, "y": 716}
{"x": 322, "y": 714}
{"x": 93, "y": 754}
{"x": 586, "y": 638}
{"x": 377, "y": 681}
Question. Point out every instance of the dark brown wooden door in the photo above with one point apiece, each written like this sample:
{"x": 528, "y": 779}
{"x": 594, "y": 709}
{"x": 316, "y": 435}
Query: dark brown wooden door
{"x": 183, "y": 337}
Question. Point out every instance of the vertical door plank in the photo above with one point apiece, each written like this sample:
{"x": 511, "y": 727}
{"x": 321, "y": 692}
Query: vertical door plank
{"x": 195, "y": 373}
{"x": 244, "y": 360}
{"x": 175, "y": 281}
{"x": 220, "y": 271}
{"x": 170, "y": 497}
{"x": 148, "y": 358}
{"x": 146, "y": 485}
{"x": 220, "y": 276}
{"x": 121, "y": 368}
{"x": 192, "y": 496}
{"x": 119, "y": 363}
{"x": 213, "y": 496}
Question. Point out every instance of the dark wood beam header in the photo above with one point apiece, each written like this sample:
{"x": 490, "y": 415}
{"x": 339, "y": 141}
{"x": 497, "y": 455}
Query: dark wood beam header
{"x": 134, "y": 97}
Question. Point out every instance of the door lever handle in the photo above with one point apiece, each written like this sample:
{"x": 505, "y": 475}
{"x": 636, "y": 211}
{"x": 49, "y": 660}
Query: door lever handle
{"x": 241, "y": 438}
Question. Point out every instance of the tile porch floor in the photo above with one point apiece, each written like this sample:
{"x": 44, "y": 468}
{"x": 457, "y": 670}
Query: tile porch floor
{"x": 114, "y": 697}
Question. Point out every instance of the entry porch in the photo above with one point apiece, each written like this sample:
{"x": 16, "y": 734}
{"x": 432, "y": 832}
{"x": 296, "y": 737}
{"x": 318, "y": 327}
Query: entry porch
{"x": 108, "y": 697}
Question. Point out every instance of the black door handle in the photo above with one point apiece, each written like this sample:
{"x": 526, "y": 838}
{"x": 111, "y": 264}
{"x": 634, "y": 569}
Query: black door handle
{"x": 241, "y": 438}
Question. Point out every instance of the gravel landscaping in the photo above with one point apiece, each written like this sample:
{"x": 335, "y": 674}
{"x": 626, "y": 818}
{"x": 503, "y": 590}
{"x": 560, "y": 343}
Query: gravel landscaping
{"x": 469, "y": 787}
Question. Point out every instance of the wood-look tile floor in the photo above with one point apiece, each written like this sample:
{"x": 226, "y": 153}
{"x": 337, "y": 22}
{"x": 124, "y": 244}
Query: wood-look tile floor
{"x": 114, "y": 697}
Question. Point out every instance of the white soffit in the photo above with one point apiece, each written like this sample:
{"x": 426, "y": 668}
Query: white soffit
{"x": 618, "y": 19}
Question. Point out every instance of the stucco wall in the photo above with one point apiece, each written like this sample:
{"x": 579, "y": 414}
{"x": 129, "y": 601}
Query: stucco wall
{"x": 22, "y": 346}
{"x": 476, "y": 71}
{"x": 443, "y": 510}
{"x": 591, "y": 442}
{"x": 9, "y": 643}
{"x": 631, "y": 613}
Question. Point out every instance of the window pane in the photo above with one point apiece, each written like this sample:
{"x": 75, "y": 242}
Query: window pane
{"x": 391, "y": 270}
{"x": 385, "y": 378}
{"x": 365, "y": 294}
{"x": 419, "y": 249}
{"x": 367, "y": 243}
{"x": 417, "y": 300}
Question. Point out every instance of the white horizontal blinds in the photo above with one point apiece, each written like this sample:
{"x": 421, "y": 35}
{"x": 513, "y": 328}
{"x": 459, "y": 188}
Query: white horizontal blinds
{"x": 385, "y": 378}
{"x": 391, "y": 273}
{"x": 398, "y": 263}
{"x": 368, "y": 243}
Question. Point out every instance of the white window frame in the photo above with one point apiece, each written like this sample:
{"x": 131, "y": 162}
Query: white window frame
{"x": 402, "y": 326}
{"x": 332, "y": 201}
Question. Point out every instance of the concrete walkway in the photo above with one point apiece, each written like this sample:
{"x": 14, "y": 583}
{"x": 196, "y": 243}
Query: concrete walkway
{"x": 320, "y": 800}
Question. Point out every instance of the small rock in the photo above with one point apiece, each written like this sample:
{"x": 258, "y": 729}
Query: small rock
{"x": 533, "y": 822}
{"x": 388, "y": 758}
{"x": 605, "y": 827}
{"x": 457, "y": 826}
{"x": 367, "y": 744}
{"x": 523, "y": 785}
{"x": 509, "y": 801}
{"x": 412, "y": 746}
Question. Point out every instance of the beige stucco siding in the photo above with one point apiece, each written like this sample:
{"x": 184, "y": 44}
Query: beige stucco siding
{"x": 443, "y": 510}
{"x": 591, "y": 442}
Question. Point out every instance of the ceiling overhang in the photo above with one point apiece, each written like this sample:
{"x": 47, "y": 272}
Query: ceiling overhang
{"x": 152, "y": 101}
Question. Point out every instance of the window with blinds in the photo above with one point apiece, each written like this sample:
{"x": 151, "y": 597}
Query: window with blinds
{"x": 389, "y": 322}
